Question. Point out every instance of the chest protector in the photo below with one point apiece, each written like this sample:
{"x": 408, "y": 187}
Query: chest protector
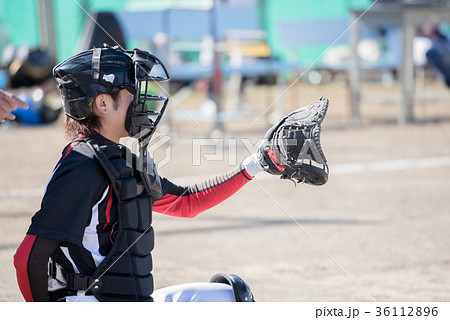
{"x": 125, "y": 273}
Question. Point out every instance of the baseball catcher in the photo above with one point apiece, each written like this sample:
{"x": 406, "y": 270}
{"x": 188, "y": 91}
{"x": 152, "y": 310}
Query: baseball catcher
{"x": 92, "y": 238}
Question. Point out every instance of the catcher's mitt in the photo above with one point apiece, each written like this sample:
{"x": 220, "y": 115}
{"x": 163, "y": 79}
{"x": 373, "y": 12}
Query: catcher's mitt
{"x": 291, "y": 148}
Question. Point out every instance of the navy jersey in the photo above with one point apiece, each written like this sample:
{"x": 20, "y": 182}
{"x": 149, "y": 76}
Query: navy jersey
{"x": 77, "y": 220}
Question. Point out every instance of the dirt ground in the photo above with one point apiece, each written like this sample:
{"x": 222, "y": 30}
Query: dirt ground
{"x": 378, "y": 230}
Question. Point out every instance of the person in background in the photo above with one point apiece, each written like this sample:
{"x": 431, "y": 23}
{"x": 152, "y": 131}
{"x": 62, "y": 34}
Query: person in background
{"x": 439, "y": 53}
{"x": 9, "y": 102}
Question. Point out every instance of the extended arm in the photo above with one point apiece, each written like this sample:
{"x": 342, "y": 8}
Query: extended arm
{"x": 190, "y": 201}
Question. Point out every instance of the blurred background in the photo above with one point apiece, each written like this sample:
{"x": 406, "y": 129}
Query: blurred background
{"x": 219, "y": 50}
{"x": 236, "y": 67}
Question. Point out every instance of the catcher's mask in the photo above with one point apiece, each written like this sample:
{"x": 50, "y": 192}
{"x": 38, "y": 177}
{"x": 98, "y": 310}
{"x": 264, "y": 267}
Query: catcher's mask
{"x": 110, "y": 69}
{"x": 147, "y": 109}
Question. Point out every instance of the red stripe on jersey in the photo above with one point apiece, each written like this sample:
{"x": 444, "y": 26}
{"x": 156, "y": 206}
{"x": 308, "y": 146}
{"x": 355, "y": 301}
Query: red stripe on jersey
{"x": 21, "y": 265}
{"x": 190, "y": 205}
{"x": 108, "y": 208}
{"x": 73, "y": 144}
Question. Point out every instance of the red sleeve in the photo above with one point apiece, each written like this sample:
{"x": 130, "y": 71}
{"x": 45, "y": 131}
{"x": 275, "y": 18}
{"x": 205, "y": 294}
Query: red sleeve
{"x": 21, "y": 264}
{"x": 31, "y": 263}
{"x": 188, "y": 202}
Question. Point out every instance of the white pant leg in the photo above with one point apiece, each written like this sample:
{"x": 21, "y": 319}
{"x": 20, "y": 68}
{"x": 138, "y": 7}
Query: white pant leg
{"x": 81, "y": 297}
{"x": 195, "y": 292}
{"x": 189, "y": 292}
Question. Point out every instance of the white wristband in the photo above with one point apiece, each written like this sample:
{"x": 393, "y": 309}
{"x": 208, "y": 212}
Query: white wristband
{"x": 252, "y": 165}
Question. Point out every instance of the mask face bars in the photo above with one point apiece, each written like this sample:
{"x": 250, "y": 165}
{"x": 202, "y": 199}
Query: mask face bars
{"x": 148, "y": 107}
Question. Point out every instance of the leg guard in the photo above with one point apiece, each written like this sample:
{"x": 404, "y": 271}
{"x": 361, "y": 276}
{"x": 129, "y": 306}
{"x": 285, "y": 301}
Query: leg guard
{"x": 241, "y": 289}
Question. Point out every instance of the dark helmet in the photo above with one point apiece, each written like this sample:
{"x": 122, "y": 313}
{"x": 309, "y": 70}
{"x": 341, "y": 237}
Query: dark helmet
{"x": 110, "y": 69}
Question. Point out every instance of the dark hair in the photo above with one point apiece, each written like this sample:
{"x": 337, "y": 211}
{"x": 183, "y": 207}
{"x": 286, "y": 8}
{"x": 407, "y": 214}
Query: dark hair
{"x": 73, "y": 128}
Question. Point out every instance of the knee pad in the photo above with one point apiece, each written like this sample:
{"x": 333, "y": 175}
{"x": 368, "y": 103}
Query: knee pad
{"x": 241, "y": 290}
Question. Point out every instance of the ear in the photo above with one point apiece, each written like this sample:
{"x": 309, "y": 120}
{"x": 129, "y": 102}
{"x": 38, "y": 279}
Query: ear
{"x": 101, "y": 104}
